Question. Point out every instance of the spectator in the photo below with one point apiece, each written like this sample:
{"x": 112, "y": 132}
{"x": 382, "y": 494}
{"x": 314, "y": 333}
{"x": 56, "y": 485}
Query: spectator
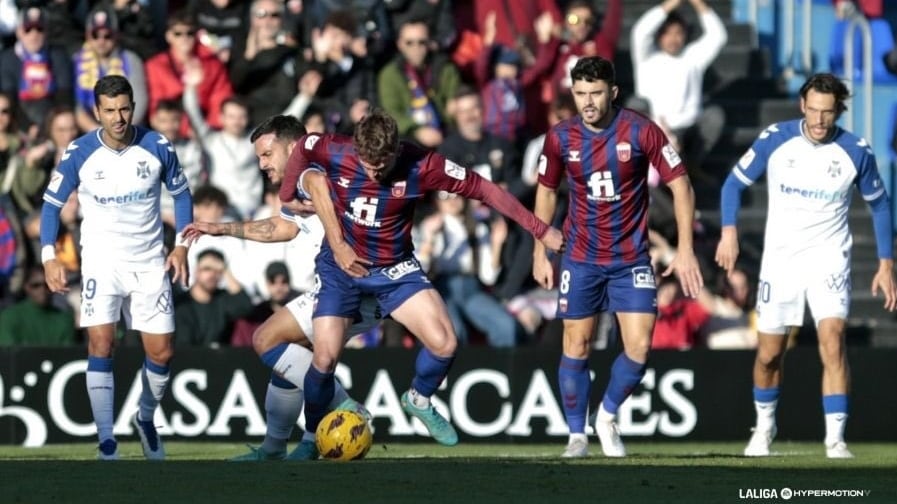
{"x": 733, "y": 319}
{"x": 167, "y": 121}
{"x": 64, "y": 21}
{"x": 38, "y": 73}
{"x": 583, "y": 38}
{"x": 136, "y": 30}
{"x": 372, "y": 34}
{"x": 279, "y": 294}
{"x": 34, "y": 320}
{"x": 505, "y": 81}
{"x": 168, "y": 68}
{"x": 514, "y": 26}
{"x": 232, "y": 161}
{"x": 460, "y": 252}
{"x": 561, "y": 109}
{"x": 210, "y": 205}
{"x": 264, "y": 65}
{"x": 205, "y": 315}
{"x": 415, "y": 87}
{"x": 11, "y": 141}
{"x": 669, "y": 77}
{"x": 679, "y": 318}
{"x": 8, "y": 256}
{"x": 101, "y": 56}
{"x": 438, "y": 14}
{"x": 220, "y": 24}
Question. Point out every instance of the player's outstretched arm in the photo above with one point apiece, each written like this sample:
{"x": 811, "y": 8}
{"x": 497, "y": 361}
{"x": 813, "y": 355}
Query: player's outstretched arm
{"x": 272, "y": 229}
{"x": 685, "y": 264}
{"x": 315, "y": 184}
{"x": 884, "y": 280}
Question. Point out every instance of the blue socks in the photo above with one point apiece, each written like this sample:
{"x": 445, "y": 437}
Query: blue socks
{"x": 575, "y": 385}
{"x": 318, "y": 394}
{"x": 625, "y": 375}
{"x": 430, "y": 370}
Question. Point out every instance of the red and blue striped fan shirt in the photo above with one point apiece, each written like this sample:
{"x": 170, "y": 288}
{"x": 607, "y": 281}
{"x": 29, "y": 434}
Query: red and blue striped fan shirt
{"x": 607, "y": 171}
{"x": 375, "y": 217}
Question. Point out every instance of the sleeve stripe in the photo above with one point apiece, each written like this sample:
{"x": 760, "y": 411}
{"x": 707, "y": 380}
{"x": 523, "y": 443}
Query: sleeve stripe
{"x": 183, "y": 188}
{"x": 875, "y": 195}
{"x": 742, "y": 177}
{"x": 53, "y": 201}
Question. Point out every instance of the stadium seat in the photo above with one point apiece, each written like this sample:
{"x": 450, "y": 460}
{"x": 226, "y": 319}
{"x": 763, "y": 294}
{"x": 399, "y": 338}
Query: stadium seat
{"x": 882, "y": 43}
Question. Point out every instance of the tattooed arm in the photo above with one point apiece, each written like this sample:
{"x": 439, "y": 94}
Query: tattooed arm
{"x": 272, "y": 229}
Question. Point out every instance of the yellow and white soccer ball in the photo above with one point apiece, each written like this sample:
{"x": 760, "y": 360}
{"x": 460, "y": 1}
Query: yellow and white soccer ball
{"x": 343, "y": 435}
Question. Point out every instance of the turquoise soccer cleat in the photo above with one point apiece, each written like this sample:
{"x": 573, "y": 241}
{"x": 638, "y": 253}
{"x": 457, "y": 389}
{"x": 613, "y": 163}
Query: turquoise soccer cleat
{"x": 440, "y": 428}
{"x": 305, "y": 450}
{"x": 258, "y": 455}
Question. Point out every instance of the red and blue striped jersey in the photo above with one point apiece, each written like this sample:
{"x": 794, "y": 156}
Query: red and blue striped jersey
{"x": 607, "y": 171}
{"x": 376, "y": 217}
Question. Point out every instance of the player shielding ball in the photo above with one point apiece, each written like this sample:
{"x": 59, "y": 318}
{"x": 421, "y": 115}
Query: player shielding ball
{"x": 284, "y": 340}
{"x": 364, "y": 193}
{"x": 811, "y": 167}
{"x": 605, "y": 152}
{"x": 118, "y": 170}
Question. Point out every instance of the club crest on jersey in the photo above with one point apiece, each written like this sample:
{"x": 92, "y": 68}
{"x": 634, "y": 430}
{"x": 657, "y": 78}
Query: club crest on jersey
{"x": 398, "y": 189}
{"x": 574, "y": 156}
{"x": 643, "y": 277}
{"x": 624, "y": 151}
{"x": 143, "y": 170}
{"x": 562, "y": 305}
{"x": 834, "y": 169}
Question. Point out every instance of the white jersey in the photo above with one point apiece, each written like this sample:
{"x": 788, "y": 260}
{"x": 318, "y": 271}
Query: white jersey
{"x": 303, "y": 249}
{"x": 119, "y": 196}
{"x": 809, "y": 185}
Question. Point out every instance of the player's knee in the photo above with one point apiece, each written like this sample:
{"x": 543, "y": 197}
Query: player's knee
{"x": 831, "y": 351}
{"x": 160, "y": 355}
{"x": 262, "y": 340}
{"x": 324, "y": 363}
{"x": 770, "y": 358}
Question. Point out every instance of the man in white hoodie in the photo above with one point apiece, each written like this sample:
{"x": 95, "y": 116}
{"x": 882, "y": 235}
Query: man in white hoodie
{"x": 669, "y": 75}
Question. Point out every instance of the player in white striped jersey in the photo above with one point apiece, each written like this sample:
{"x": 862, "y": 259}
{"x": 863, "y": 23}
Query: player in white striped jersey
{"x": 811, "y": 167}
{"x": 118, "y": 171}
{"x": 282, "y": 341}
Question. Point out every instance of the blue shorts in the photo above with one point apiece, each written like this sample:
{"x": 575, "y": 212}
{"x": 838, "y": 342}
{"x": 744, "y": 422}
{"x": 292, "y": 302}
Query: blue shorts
{"x": 587, "y": 289}
{"x": 340, "y": 294}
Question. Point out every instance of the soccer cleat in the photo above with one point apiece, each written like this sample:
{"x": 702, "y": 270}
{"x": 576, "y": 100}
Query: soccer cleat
{"x": 108, "y": 450}
{"x": 758, "y": 446}
{"x": 258, "y": 455}
{"x": 838, "y": 451}
{"x": 609, "y": 435}
{"x": 353, "y": 405}
{"x": 149, "y": 438}
{"x": 440, "y": 428}
{"x": 578, "y": 447}
{"x": 305, "y": 450}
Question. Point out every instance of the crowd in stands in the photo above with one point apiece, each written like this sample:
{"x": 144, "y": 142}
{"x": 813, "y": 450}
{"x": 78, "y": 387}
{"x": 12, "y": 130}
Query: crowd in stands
{"x": 478, "y": 80}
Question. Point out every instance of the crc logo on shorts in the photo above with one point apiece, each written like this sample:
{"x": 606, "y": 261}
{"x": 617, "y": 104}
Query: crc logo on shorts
{"x": 837, "y": 283}
{"x": 403, "y": 268}
{"x": 643, "y": 277}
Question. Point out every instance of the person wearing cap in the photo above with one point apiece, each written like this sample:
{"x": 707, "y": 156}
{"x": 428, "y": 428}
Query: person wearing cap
{"x": 38, "y": 73}
{"x": 101, "y": 55}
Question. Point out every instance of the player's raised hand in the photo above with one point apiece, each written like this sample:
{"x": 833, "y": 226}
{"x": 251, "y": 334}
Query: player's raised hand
{"x": 177, "y": 262}
{"x": 348, "y": 260}
{"x": 54, "y": 273}
{"x": 884, "y": 280}
{"x": 686, "y": 267}
{"x": 553, "y": 240}
{"x": 543, "y": 271}
{"x": 727, "y": 249}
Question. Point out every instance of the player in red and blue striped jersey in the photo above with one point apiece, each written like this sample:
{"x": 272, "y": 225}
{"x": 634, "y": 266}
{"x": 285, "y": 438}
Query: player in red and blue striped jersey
{"x": 605, "y": 152}
{"x": 365, "y": 197}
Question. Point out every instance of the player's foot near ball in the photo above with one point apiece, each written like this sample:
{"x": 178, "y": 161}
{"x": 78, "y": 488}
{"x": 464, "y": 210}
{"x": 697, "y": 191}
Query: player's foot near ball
{"x": 107, "y": 450}
{"x": 440, "y": 428}
{"x": 305, "y": 450}
{"x": 149, "y": 438}
{"x": 259, "y": 455}
{"x": 352, "y": 405}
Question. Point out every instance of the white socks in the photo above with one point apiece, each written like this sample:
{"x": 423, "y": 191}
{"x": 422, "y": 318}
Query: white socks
{"x": 154, "y": 385}
{"x": 282, "y": 407}
{"x": 766, "y": 414}
{"x": 101, "y": 391}
{"x": 834, "y": 427}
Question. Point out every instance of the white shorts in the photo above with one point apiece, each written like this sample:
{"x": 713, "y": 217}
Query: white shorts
{"x": 819, "y": 278}
{"x": 144, "y": 297}
{"x": 303, "y": 307}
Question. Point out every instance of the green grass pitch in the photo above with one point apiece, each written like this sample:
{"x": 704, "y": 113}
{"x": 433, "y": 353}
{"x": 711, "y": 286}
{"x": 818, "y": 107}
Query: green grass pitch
{"x": 468, "y": 473}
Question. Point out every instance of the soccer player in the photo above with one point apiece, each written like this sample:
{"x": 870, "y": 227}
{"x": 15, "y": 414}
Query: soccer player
{"x": 365, "y": 196}
{"x": 605, "y": 152}
{"x": 283, "y": 341}
{"x": 811, "y": 165}
{"x": 118, "y": 170}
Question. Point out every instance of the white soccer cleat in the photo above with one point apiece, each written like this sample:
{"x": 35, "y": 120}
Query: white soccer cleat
{"x": 758, "y": 446}
{"x": 149, "y": 438}
{"x": 578, "y": 447}
{"x": 609, "y": 435}
{"x": 838, "y": 451}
